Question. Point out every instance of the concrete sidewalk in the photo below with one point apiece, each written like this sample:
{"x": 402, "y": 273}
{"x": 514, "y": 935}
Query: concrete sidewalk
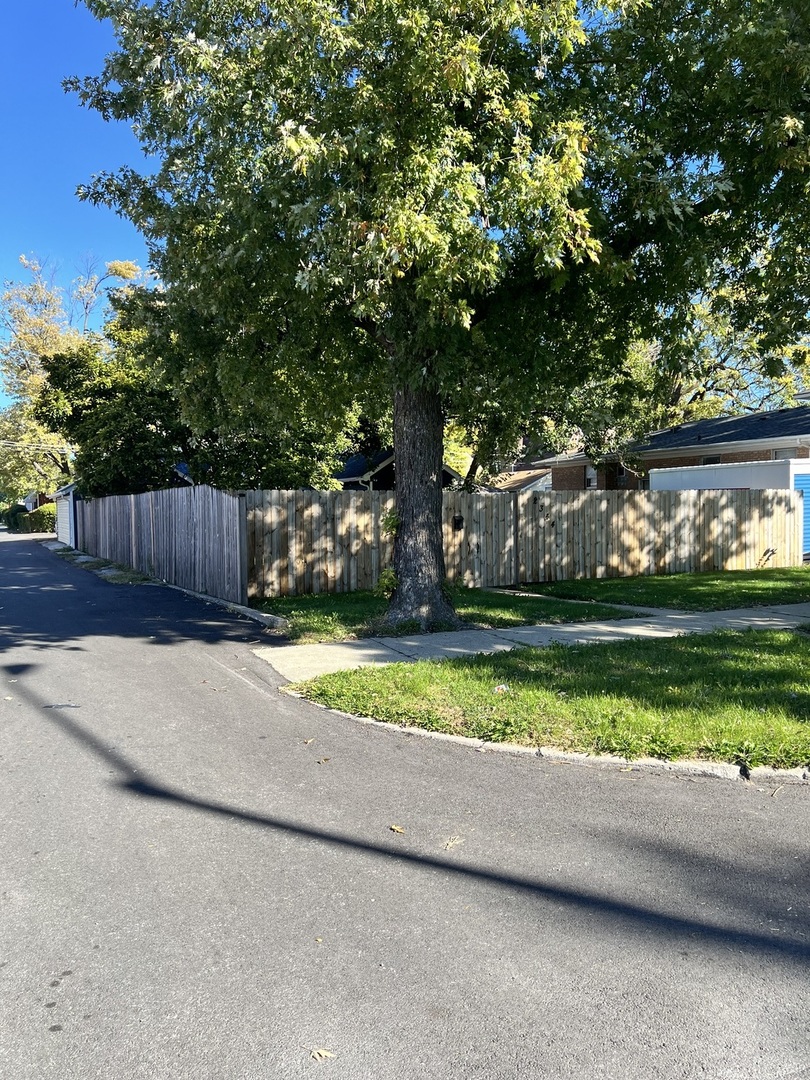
{"x": 298, "y": 662}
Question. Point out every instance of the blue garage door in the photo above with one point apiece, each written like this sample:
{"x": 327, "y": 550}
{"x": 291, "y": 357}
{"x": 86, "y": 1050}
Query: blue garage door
{"x": 802, "y": 483}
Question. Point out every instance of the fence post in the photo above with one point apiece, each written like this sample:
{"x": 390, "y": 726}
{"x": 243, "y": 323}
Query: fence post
{"x": 78, "y": 522}
{"x": 241, "y": 525}
{"x": 516, "y": 539}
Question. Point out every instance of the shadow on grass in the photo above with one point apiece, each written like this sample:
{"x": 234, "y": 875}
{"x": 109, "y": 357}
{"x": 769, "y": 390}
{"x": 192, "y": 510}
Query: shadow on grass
{"x": 711, "y": 673}
{"x": 729, "y": 696}
{"x": 362, "y": 614}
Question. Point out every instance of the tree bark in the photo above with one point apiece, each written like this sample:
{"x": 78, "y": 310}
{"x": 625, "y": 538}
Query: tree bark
{"x": 418, "y": 547}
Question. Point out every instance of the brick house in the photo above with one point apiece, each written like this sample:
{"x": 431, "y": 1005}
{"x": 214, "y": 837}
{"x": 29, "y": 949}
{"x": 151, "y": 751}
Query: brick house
{"x": 759, "y": 436}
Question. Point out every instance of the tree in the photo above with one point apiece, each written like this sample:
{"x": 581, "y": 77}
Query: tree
{"x": 124, "y": 426}
{"x": 33, "y": 324}
{"x": 107, "y": 395}
{"x": 721, "y": 371}
{"x": 32, "y": 458}
{"x": 457, "y": 204}
{"x": 37, "y": 325}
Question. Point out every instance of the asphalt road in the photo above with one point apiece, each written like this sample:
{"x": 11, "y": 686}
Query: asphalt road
{"x": 199, "y": 878}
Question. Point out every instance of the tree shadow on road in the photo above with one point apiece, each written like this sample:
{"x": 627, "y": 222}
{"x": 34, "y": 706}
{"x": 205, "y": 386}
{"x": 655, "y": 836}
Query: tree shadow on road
{"x": 46, "y": 602}
{"x": 791, "y": 948}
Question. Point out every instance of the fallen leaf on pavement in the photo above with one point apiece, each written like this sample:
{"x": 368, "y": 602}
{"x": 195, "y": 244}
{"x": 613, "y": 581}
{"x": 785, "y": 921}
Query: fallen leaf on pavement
{"x": 319, "y": 1053}
{"x": 307, "y": 742}
{"x": 452, "y": 841}
{"x": 323, "y": 760}
{"x": 396, "y": 828}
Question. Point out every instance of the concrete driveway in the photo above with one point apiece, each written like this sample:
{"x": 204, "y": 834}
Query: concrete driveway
{"x": 200, "y": 879}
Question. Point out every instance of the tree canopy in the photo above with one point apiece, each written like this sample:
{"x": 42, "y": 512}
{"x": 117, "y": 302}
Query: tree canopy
{"x": 456, "y": 206}
{"x": 107, "y": 395}
{"x": 34, "y": 324}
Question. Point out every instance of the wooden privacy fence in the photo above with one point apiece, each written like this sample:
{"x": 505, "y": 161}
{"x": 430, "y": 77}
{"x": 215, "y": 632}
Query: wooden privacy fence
{"x": 193, "y": 537}
{"x": 323, "y": 541}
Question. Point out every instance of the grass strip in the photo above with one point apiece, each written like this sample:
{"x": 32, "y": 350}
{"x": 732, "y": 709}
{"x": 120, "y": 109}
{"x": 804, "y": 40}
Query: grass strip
{"x": 340, "y": 616}
{"x": 117, "y": 574}
{"x": 738, "y": 697}
{"x": 690, "y": 592}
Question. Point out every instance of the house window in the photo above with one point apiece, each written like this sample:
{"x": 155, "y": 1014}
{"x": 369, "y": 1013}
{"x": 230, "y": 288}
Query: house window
{"x": 621, "y": 476}
{"x": 786, "y": 452}
{"x": 712, "y": 459}
{"x": 590, "y": 476}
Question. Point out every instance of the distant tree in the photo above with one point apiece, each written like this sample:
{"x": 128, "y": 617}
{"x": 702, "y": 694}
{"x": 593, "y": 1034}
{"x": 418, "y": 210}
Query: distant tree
{"x": 32, "y": 458}
{"x": 123, "y": 426}
{"x": 719, "y": 370}
{"x": 36, "y": 325}
{"x": 107, "y": 397}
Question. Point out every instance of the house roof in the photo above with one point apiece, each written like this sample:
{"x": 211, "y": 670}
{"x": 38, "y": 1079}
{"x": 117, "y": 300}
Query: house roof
{"x": 781, "y": 424}
{"x": 753, "y": 431}
{"x": 518, "y": 480}
{"x": 360, "y": 467}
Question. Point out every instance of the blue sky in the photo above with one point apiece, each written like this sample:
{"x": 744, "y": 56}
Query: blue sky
{"x": 50, "y": 144}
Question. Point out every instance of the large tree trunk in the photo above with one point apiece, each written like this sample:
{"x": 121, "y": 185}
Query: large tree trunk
{"x": 418, "y": 549}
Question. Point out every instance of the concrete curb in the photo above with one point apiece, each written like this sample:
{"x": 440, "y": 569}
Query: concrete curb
{"x": 716, "y": 770}
{"x": 275, "y": 621}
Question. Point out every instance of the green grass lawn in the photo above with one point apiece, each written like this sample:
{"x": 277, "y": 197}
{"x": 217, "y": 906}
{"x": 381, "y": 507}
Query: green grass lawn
{"x": 729, "y": 696}
{"x": 689, "y": 592}
{"x": 338, "y": 616}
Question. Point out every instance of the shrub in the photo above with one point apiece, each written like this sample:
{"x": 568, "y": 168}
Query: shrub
{"x": 386, "y": 584}
{"x": 12, "y": 515}
{"x": 42, "y": 520}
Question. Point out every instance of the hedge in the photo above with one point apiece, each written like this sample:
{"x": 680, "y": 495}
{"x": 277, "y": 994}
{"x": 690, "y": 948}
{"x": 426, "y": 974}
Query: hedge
{"x": 42, "y": 520}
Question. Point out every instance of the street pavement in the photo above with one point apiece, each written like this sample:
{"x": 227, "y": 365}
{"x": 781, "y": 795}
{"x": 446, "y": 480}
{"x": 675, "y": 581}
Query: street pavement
{"x": 204, "y": 878}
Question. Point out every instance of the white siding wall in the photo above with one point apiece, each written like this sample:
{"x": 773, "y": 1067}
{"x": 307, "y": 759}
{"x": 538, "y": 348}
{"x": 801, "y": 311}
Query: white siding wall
{"x": 63, "y": 520}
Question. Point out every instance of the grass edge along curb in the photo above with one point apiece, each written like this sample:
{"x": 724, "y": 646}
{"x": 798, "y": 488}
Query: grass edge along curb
{"x": 735, "y": 696}
{"x": 717, "y": 770}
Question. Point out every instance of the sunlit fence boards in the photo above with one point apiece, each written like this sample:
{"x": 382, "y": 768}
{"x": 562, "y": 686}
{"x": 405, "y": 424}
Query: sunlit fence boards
{"x": 290, "y": 543}
{"x": 319, "y": 541}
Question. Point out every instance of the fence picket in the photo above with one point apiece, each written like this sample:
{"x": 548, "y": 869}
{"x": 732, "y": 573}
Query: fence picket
{"x": 334, "y": 542}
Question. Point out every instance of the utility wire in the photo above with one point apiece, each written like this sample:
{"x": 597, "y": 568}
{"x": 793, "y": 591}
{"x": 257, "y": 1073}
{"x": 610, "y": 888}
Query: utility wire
{"x": 13, "y": 445}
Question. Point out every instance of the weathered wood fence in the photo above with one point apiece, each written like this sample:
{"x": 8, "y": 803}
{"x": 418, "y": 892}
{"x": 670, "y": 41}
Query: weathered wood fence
{"x": 319, "y": 541}
{"x": 192, "y": 537}
{"x": 287, "y": 543}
